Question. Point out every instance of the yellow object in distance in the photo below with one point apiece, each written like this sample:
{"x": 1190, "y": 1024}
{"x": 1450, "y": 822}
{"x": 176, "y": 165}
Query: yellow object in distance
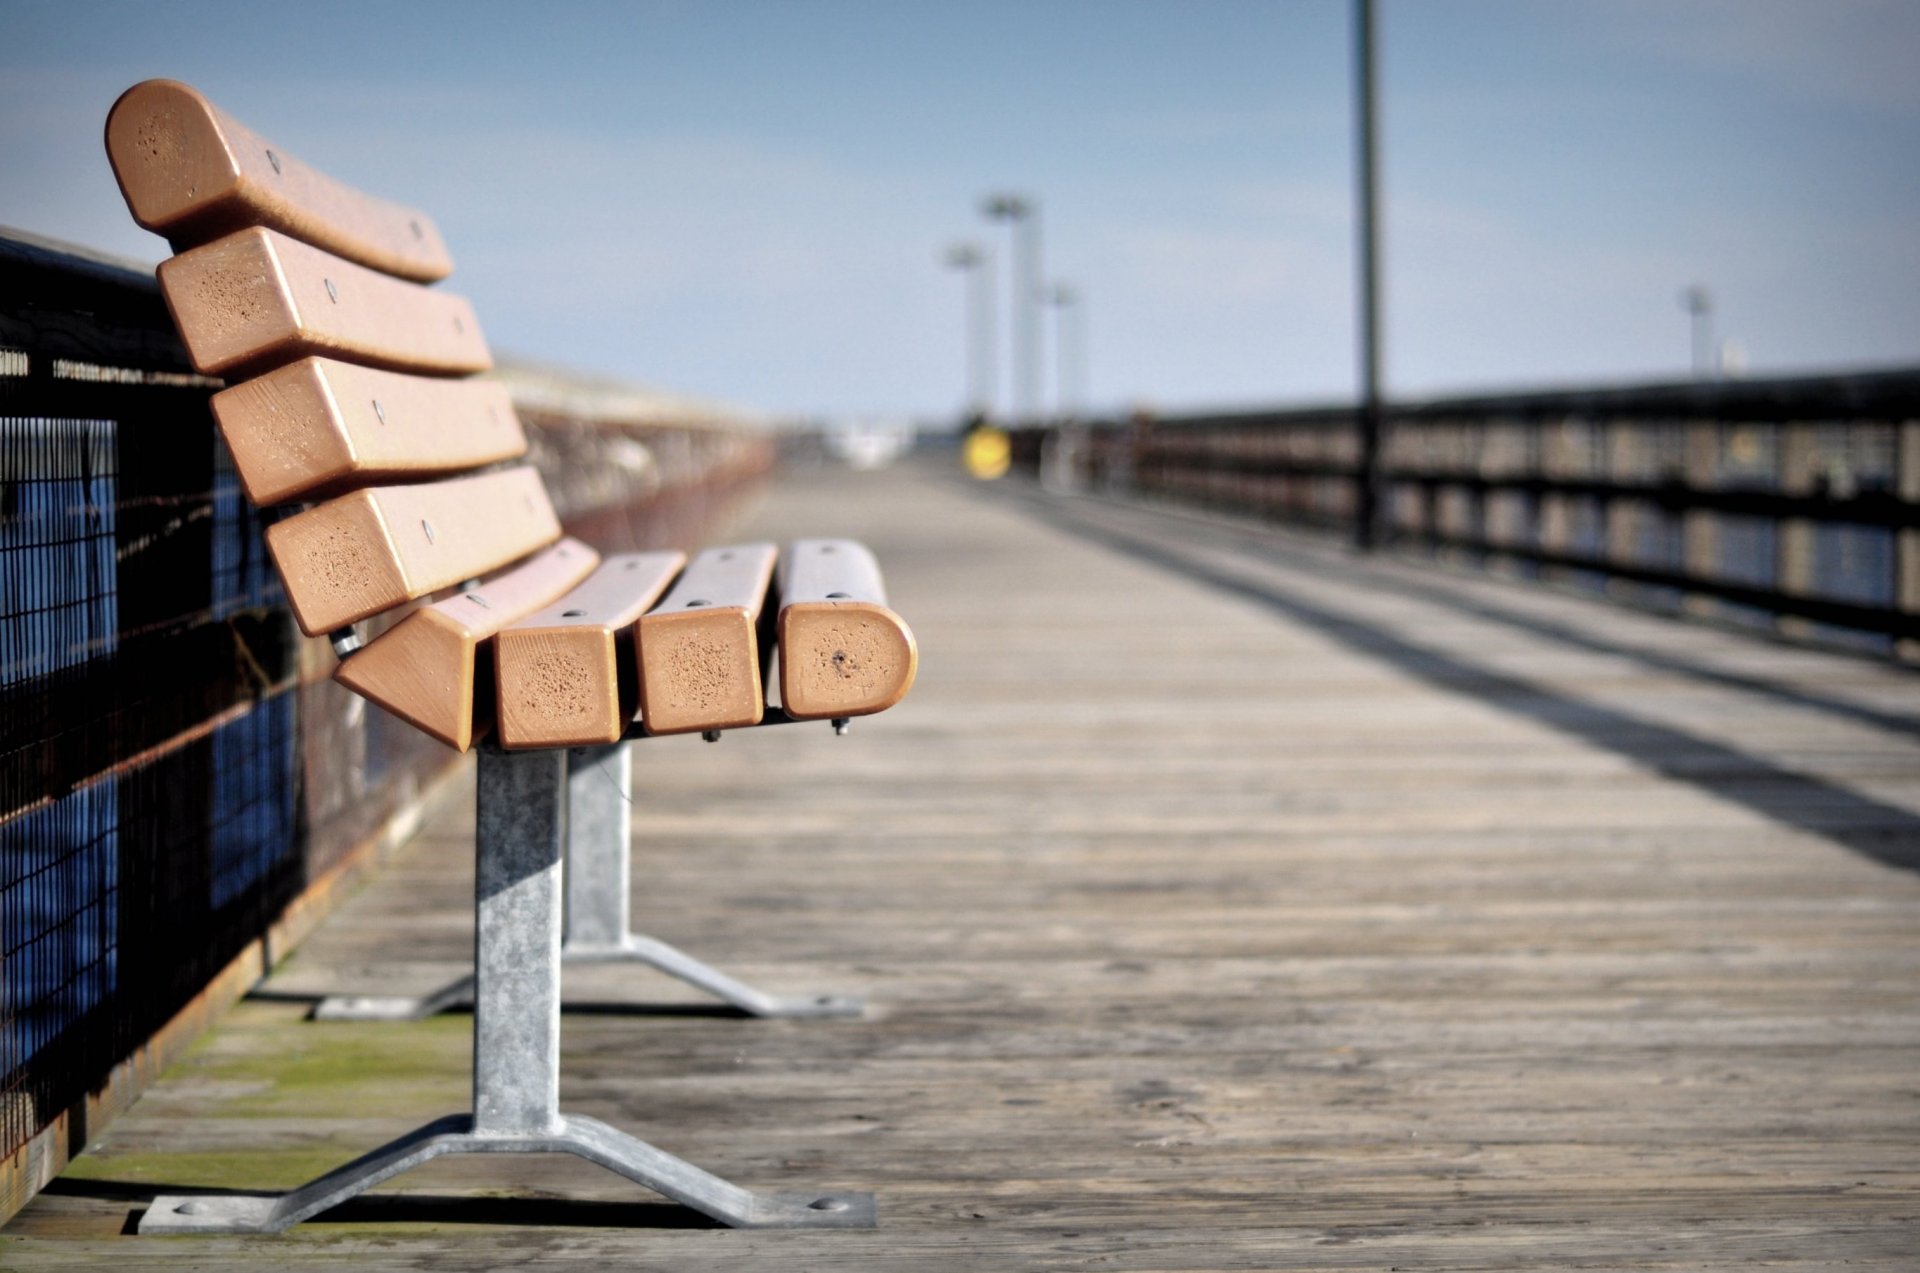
{"x": 987, "y": 453}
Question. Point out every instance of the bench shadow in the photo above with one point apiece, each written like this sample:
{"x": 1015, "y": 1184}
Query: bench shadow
{"x": 572, "y": 1007}
{"x": 421, "y": 1208}
{"x": 1872, "y": 828}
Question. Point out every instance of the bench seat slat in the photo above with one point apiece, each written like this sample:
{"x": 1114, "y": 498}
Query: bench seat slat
{"x": 257, "y": 298}
{"x": 700, "y": 648}
{"x": 842, "y": 651}
{"x": 565, "y": 676}
{"x": 428, "y": 668}
{"x": 192, "y": 172}
{"x": 377, "y": 548}
{"x": 318, "y": 424}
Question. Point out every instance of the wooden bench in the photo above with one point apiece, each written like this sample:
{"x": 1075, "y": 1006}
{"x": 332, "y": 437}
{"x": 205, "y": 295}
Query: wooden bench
{"x": 350, "y": 395}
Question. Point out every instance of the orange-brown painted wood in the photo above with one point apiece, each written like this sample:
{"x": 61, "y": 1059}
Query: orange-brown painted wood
{"x": 192, "y": 172}
{"x": 842, "y": 651}
{"x": 565, "y": 676}
{"x": 699, "y": 650}
{"x": 430, "y": 669}
{"x": 319, "y": 425}
{"x": 378, "y": 548}
{"x": 256, "y": 299}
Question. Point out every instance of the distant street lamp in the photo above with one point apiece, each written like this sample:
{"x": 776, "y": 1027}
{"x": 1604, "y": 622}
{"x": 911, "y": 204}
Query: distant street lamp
{"x": 1024, "y": 216}
{"x": 977, "y": 263}
{"x": 1698, "y": 302}
{"x": 1070, "y": 344}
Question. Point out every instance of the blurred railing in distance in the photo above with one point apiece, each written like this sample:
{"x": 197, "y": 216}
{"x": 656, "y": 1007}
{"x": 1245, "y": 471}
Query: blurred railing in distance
{"x": 178, "y": 772}
{"x": 1792, "y": 504}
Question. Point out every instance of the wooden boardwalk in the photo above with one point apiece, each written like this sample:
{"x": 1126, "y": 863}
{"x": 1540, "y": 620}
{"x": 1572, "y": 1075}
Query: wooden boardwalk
{"x": 1225, "y": 904}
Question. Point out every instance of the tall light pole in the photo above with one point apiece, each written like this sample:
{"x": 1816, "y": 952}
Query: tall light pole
{"x": 1024, "y": 216}
{"x": 1698, "y": 302}
{"x": 1070, "y": 344}
{"x": 977, "y": 263}
{"x": 1367, "y": 481}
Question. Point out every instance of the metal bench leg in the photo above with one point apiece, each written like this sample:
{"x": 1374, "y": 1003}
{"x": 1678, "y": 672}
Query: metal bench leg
{"x": 598, "y": 878}
{"x": 598, "y": 885}
{"x": 516, "y": 1048}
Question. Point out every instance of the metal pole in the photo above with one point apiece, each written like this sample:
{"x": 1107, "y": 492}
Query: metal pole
{"x": 1070, "y": 345}
{"x": 981, "y": 333}
{"x": 977, "y": 263}
{"x": 1698, "y": 302}
{"x": 1367, "y": 493}
{"x": 1024, "y": 214}
{"x": 1033, "y": 299}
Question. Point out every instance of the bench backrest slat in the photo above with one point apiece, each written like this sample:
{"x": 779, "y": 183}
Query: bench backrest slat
{"x": 319, "y": 425}
{"x": 192, "y": 172}
{"x": 700, "y": 647}
{"x": 843, "y": 653}
{"x": 427, "y": 668}
{"x": 565, "y": 676}
{"x": 377, "y": 548}
{"x": 256, "y": 298}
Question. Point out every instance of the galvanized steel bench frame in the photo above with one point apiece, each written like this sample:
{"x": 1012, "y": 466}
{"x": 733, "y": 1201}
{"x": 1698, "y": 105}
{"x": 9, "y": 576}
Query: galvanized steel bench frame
{"x": 192, "y": 169}
{"x": 518, "y": 901}
{"x": 597, "y": 927}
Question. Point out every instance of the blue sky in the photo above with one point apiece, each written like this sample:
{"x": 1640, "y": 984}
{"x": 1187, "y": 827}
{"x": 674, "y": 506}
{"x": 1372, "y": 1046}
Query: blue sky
{"x": 747, "y": 201}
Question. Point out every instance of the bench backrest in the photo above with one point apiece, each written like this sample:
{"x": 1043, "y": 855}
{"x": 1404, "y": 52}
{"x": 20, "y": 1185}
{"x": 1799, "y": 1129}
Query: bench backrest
{"x": 254, "y": 290}
{"x": 349, "y": 391}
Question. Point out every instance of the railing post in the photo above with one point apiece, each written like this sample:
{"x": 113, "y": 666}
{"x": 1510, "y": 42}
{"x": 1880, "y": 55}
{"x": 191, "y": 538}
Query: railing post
{"x": 1700, "y": 527}
{"x": 1906, "y": 548}
{"x": 1794, "y": 546}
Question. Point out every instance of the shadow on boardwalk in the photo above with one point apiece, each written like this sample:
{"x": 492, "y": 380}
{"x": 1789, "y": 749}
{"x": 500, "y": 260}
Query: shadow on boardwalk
{"x": 1884, "y": 832}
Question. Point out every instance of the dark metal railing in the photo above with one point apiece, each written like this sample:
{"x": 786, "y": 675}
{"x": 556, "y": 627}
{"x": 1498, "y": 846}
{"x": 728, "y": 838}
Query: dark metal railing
{"x": 1793, "y": 503}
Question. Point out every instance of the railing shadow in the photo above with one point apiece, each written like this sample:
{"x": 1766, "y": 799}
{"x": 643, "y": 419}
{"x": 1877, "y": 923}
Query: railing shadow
{"x": 1886, "y": 833}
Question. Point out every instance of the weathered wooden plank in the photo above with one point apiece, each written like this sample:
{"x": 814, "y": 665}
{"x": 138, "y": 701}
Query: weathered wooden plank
{"x": 256, "y": 299}
{"x": 371, "y": 550}
{"x": 566, "y": 675}
{"x": 426, "y": 668}
{"x": 192, "y": 172}
{"x": 320, "y": 425}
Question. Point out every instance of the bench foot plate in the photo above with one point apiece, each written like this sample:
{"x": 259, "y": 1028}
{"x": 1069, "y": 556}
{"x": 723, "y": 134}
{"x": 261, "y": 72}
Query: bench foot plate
{"x": 588, "y": 1138}
{"x": 651, "y": 951}
{"x": 681, "y": 966}
{"x": 457, "y": 993}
